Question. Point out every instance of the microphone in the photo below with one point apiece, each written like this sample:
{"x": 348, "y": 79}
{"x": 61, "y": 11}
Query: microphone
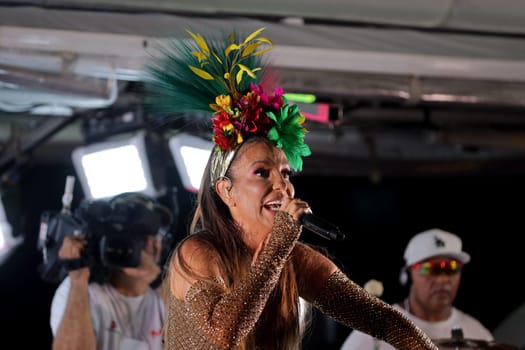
{"x": 321, "y": 227}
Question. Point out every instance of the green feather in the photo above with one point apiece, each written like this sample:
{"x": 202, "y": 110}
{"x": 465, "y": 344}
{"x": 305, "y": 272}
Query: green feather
{"x": 173, "y": 86}
{"x": 288, "y": 134}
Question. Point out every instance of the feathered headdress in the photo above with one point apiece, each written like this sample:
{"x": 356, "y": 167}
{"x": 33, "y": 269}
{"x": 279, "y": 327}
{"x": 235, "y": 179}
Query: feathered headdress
{"x": 223, "y": 76}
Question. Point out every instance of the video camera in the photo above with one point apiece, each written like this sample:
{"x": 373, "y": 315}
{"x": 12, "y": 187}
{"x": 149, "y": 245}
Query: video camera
{"x": 115, "y": 231}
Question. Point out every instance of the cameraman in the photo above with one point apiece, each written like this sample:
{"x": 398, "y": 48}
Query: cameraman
{"x": 122, "y": 311}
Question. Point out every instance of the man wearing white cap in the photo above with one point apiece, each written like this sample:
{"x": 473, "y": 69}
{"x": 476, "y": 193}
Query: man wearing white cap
{"x": 433, "y": 263}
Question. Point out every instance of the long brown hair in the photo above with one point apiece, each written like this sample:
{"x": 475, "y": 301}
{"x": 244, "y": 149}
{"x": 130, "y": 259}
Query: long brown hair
{"x": 279, "y": 324}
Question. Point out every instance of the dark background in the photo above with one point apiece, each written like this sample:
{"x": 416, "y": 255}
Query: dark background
{"x": 377, "y": 218}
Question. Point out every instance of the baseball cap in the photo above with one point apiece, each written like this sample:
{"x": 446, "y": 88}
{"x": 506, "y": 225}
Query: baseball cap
{"x": 434, "y": 242}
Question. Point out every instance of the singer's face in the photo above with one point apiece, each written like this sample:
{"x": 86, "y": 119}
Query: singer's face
{"x": 260, "y": 176}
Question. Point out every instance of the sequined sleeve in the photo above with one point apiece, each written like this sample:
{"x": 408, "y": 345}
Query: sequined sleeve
{"x": 348, "y": 303}
{"x": 226, "y": 318}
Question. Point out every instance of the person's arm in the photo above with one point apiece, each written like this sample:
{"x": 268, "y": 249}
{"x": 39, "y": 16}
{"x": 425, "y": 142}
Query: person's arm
{"x": 226, "y": 317}
{"x": 322, "y": 283}
{"x": 353, "y": 306}
{"x": 75, "y": 330}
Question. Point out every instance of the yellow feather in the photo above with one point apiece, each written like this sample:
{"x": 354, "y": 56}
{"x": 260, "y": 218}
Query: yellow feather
{"x": 200, "y": 41}
{"x": 217, "y": 58}
{"x": 265, "y": 40}
{"x": 238, "y": 76}
{"x": 248, "y": 71}
{"x": 250, "y": 48}
{"x": 201, "y": 73}
{"x": 230, "y": 48}
{"x": 258, "y": 53}
{"x": 199, "y": 55}
{"x": 253, "y": 35}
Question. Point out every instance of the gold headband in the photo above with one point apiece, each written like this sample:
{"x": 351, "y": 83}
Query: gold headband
{"x": 220, "y": 163}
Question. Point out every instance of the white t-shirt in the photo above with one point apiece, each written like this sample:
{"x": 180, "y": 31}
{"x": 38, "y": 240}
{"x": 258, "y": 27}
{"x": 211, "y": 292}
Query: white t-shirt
{"x": 120, "y": 322}
{"x": 472, "y": 329}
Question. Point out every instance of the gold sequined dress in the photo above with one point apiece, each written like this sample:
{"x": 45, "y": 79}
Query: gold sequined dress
{"x": 210, "y": 318}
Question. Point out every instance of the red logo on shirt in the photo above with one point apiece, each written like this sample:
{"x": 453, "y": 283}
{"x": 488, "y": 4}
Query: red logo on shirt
{"x": 155, "y": 333}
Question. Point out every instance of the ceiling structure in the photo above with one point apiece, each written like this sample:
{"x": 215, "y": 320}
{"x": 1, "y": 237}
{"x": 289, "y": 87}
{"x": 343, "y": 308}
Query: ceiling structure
{"x": 414, "y": 87}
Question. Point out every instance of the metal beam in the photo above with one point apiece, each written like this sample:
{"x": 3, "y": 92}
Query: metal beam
{"x": 16, "y": 150}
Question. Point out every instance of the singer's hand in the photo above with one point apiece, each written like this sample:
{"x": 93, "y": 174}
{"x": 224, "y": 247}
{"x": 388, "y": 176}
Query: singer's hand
{"x": 295, "y": 207}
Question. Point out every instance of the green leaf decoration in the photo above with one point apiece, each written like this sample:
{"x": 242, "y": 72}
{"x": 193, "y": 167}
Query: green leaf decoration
{"x": 288, "y": 134}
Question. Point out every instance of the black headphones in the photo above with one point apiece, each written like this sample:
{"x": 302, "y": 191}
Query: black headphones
{"x": 155, "y": 211}
{"x": 144, "y": 208}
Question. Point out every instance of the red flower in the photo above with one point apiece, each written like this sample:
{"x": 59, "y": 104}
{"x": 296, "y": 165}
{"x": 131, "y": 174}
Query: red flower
{"x": 224, "y": 131}
{"x": 250, "y": 117}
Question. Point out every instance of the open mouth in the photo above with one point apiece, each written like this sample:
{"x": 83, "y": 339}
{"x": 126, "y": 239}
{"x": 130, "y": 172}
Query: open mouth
{"x": 273, "y": 206}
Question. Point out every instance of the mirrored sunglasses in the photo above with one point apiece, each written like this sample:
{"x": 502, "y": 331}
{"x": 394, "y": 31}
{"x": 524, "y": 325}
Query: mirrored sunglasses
{"x": 437, "y": 267}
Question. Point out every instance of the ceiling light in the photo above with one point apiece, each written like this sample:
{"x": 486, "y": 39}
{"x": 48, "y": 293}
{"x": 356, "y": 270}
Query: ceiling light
{"x": 190, "y": 154}
{"x": 303, "y": 98}
{"x": 108, "y": 168}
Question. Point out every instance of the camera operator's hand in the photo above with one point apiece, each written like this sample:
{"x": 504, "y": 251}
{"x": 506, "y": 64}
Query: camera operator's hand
{"x": 71, "y": 252}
